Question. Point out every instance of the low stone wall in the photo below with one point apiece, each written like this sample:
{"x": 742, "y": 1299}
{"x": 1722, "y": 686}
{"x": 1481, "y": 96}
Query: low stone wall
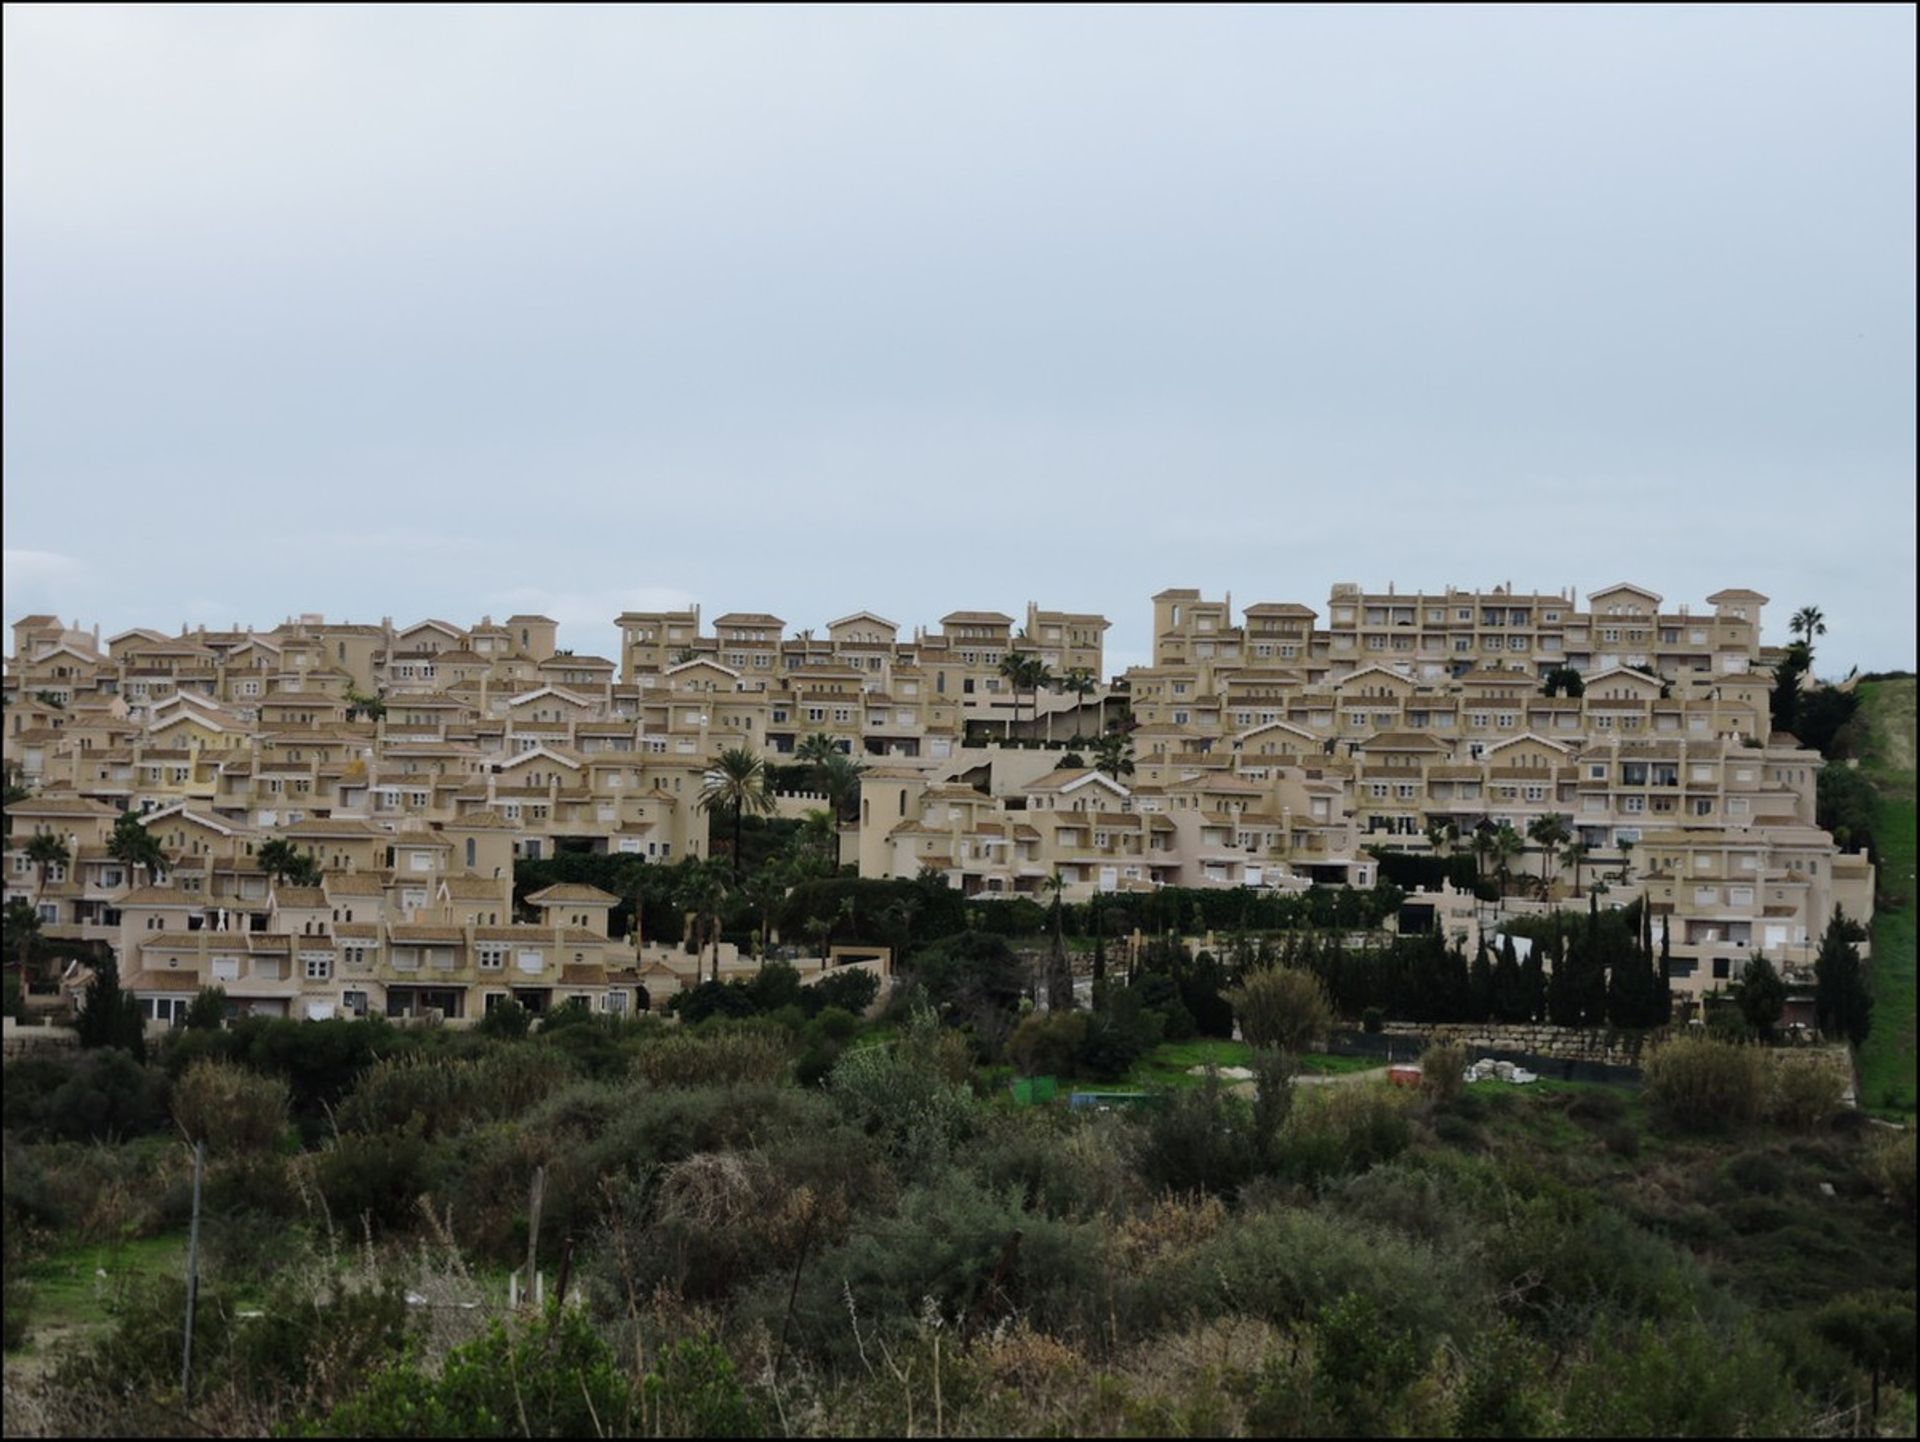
{"x": 1563, "y": 1043}
{"x": 18, "y": 1039}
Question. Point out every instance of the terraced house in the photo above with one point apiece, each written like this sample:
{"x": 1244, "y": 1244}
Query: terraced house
{"x": 1263, "y": 747}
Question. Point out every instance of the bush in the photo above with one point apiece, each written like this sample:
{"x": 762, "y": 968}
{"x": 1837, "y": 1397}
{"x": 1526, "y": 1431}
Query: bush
{"x": 102, "y": 1095}
{"x": 1703, "y": 1084}
{"x": 507, "y": 1021}
{"x": 209, "y": 1009}
{"x": 1202, "y": 1141}
{"x": 1047, "y": 1044}
{"x": 448, "y": 1095}
{"x": 1806, "y": 1090}
{"x": 1681, "y": 1380}
{"x": 1344, "y": 1129}
{"x": 229, "y": 1108}
{"x": 1284, "y": 1008}
{"x": 908, "y": 1095}
{"x": 719, "y": 1058}
{"x": 1889, "y": 1165}
{"x": 1373, "y": 1020}
{"x": 1443, "y": 1070}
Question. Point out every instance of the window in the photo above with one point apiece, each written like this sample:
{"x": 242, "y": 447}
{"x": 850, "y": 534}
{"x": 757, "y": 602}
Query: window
{"x": 319, "y": 968}
{"x": 493, "y": 955}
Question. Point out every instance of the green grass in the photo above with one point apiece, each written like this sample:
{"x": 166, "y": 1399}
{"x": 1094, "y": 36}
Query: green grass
{"x": 1887, "y": 1059}
{"x": 1167, "y": 1064}
{"x": 1339, "y": 1065}
{"x": 70, "y": 1293}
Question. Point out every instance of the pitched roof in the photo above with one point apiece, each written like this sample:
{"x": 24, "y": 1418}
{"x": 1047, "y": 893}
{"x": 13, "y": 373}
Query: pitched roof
{"x": 567, "y": 892}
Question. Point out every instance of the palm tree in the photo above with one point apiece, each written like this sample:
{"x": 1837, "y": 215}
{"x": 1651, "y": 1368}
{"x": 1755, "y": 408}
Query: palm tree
{"x": 738, "y": 782}
{"x": 816, "y": 846}
{"x": 1550, "y": 833}
{"x": 702, "y": 890}
{"x": 1440, "y": 836}
{"x": 1080, "y": 681}
{"x": 843, "y": 788}
{"x": 1507, "y": 844}
{"x": 1808, "y": 622}
{"x": 1113, "y": 754}
{"x": 134, "y": 846}
{"x": 817, "y": 750}
{"x": 45, "y": 850}
{"x": 1575, "y": 856}
{"x": 23, "y": 930}
{"x": 281, "y": 859}
{"x": 766, "y": 889}
{"x": 1482, "y": 846}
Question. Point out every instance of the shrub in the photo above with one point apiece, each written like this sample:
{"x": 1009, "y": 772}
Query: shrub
{"x": 557, "y": 1379}
{"x": 507, "y": 1021}
{"x": 723, "y": 1058}
{"x": 447, "y": 1095}
{"x": 1282, "y": 1007}
{"x": 1889, "y": 1165}
{"x": 1047, "y": 1043}
{"x": 1701, "y": 1083}
{"x": 1681, "y": 1380}
{"x": 90, "y": 1096}
{"x": 1344, "y": 1129}
{"x": 1443, "y": 1070}
{"x": 902, "y": 1095}
{"x": 1373, "y": 1020}
{"x": 1805, "y": 1091}
{"x": 379, "y": 1175}
{"x": 209, "y": 1009}
{"x": 851, "y": 989}
{"x": 1202, "y": 1141}
{"x": 229, "y": 1108}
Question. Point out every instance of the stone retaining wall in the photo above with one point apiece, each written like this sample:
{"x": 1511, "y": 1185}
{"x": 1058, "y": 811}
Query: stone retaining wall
{"x": 1595, "y": 1044}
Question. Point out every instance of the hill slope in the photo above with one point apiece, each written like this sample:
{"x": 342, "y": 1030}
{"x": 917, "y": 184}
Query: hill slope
{"x": 1887, "y": 1059}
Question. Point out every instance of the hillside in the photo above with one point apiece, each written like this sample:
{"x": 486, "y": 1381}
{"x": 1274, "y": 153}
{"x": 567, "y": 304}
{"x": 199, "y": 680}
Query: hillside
{"x": 1887, "y": 1059}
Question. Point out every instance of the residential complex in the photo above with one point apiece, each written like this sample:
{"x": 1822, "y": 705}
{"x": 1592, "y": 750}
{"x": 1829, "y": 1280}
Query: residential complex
{"x": 1276, "y": 747}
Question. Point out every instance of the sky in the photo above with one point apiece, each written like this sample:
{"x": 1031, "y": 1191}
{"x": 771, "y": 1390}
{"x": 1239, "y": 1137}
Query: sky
{"x": 395, "y": 311}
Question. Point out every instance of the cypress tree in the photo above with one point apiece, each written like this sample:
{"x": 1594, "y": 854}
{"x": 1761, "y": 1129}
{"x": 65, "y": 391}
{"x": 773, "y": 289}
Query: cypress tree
{"x": 111, "y": 1017}
{"x": 1842, "y": 1005}
{"x": 1481, "y": 1004}
{"x": 1510, "y": 1000}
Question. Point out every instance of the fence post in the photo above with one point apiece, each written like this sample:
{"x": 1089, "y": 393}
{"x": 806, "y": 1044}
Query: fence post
{"x": 535, "y": 1196}
{"x": 193, "y": 1270}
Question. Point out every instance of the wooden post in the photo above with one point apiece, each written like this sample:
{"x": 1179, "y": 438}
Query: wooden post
{"x": 193, "y": 1269}
{"x": 535, "y": 1196}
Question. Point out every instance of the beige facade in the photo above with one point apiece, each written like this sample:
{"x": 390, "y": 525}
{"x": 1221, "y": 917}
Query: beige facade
{"x": 1271, "y": 747}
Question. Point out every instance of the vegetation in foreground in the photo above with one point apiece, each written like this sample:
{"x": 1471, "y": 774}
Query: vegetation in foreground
{"x": 893, "y": 1246}
{"x": 1887, "y": 1057}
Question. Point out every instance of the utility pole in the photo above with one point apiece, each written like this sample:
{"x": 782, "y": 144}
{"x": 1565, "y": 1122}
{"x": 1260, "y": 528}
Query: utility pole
{"x": 193, "y": 1269}
{"x": 535, "y": 1196}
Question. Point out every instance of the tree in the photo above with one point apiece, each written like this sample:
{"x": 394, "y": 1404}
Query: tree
{"x": 1482, "y": 847}
{"x": 702, "y": 890}
{"x": 1015, "y": 668}
{"x": 22, "y": 934}
{"x": 1762, "y": 996}
{"x": 1113, "y": 754}
{"x": 1808, "y": 622}
{"x": 110, "y": 1016}
{"x": 1071, "y": 761}
{"x": 1787, "y": 677}
{"x": 1550, "y": 833}
{"x": 1562, "y": 678}
{"x": 283, "y": 861}
{"x": 737, "y": 782}
{"x": 1841, "y": 1003}
{"x": 1283, "y": 1008}
{"x": 1082, "y": 683}
{"x": 1575, "y": 855}
{"x": 45, "y": 850}
{"x": 843, "y": 790}
{"x": 1480, "y": 985}
{"x": 1507, "y": 844}
{"x": 136, "y": 846}
{"x": 208, "y": 1011}
{"x": 1059, "y": 974}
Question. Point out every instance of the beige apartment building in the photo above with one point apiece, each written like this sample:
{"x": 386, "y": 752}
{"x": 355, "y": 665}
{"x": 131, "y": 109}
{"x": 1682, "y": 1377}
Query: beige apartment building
{"x": 1271, "y": 747}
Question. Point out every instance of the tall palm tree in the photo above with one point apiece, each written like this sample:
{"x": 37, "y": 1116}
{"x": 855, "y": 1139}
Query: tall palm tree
{"x": 1059, "y": 973}
{"x": 1482, "y": 846}
{"x": 1507, "y": 844}
{"x": 135, "y": 847}
{"x": 45, "y": 850}
{"x": 1575, "y": 856}
{"x": 703, "y": 891}
{"x": 1113, "y": 754}
{"x": 738, "y": 782}
{"x": 1550, "y": 833}
{"x": 843, "y": 788}
{"x": 1080, "y": 681}
{"x": 280, "y": 858}
{"x": 1808, "y": 622}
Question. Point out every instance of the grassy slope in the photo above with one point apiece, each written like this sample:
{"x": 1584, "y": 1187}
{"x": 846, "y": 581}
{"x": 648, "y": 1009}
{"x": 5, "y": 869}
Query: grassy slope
{"x": 1887, "y": 1059}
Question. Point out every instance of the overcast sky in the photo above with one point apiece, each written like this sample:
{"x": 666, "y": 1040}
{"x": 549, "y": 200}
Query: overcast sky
{"x": 391, "y": 311}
